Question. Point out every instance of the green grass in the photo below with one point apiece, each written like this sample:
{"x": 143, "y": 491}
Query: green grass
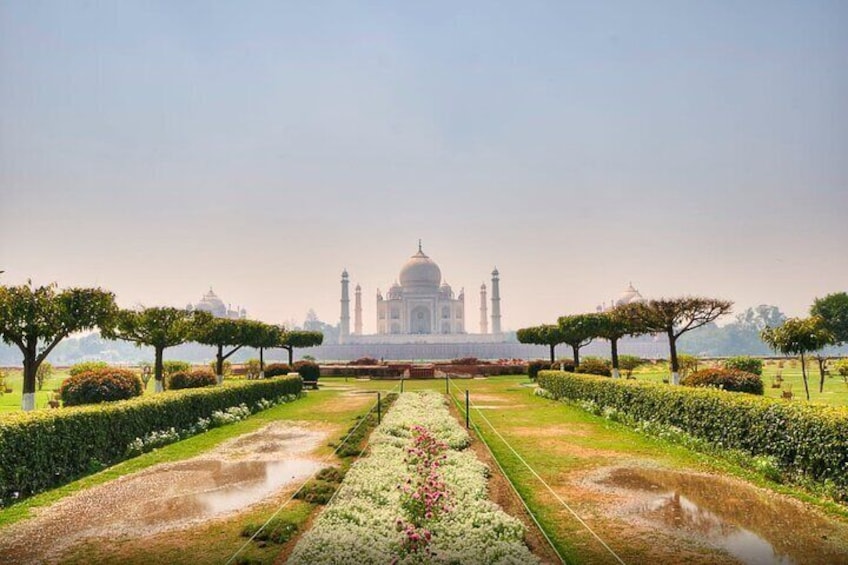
{"x": 305, "y": 409}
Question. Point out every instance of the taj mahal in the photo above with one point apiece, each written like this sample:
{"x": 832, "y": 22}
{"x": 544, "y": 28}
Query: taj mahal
{"x": 420, "y": 307}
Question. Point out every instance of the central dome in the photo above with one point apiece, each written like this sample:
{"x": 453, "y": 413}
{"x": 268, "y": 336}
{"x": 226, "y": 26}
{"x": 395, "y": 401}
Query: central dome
{"x": 419, "y": 271}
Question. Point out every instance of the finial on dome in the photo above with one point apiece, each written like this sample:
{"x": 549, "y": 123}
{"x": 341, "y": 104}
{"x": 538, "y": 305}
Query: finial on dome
{"x": 419, "y": 247}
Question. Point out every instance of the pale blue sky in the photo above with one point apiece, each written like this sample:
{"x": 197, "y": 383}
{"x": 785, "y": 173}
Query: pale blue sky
{"x": 691, "y": 147}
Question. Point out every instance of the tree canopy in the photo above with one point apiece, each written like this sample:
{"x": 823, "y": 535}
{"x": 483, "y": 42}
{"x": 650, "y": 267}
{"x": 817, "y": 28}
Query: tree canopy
{"x": 37, "y": 319}
{"x": 674, "y": 317}
{"x": 578, "y": 331}
{"x": 547, "y": 334}
{"x": 799, "y": 336}
{"x": 613, "y": 325}
{"x": 300, "y": 338}
{"x": 158, "y": 327}
{"x": 833, "y": 310}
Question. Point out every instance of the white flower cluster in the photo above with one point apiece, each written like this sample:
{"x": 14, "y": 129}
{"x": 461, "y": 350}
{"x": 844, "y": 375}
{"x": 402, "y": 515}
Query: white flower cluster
{"x": 360, "y": 525}
{"x": 158, "y": 438}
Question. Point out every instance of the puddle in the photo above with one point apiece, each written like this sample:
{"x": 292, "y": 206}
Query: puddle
{"x": 237, "y": 485}
{"x": 754, "y": 526}
{"x": 226, "y": 480}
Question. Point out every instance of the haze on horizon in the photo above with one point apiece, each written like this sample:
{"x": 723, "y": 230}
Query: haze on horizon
{"x": 157, "y": 149}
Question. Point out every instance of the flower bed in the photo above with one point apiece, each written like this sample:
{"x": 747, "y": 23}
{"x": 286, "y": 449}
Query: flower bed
{"x": 419, "y": 497}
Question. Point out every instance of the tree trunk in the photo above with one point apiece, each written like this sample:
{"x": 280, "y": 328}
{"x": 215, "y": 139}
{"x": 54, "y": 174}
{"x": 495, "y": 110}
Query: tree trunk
{"x": 219, "y": 365}
{"x": 576, "y": 354}
{"x": 158, "y": 369}
{"x": 553, "y": 357}
{"x": 261, "y": 362}
{"x": 291, "y": 355}
{"x": 821, "y": 361}
{"x": 614, "y": 354}
{"x": 804, "y": 375}
{"x": 30, "y": 370}
{"x": 675, "y": 366}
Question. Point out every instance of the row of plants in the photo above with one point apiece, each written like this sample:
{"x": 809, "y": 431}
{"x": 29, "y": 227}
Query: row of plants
{"x": 44, "y": 449}
{"x": 806, "y": 440}
{"x": 418, "y": 497}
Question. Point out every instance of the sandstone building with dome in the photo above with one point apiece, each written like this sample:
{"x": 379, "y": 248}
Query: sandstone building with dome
{"x": 421, "y": 307}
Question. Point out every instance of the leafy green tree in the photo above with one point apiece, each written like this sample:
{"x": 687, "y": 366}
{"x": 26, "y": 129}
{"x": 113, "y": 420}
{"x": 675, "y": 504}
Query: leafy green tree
{"x": 630, "y": 363}
{"x": 833, "y": 310}
{"x": 225, "y": 333}
{"x": 268, "y": 337}
{"x": 300, "y": 338}
{"x": 547, "y": 334}
{"x": 674, "y": 317}
{"x": 578, "y": 331}
{"x": 37, "y": 319}
{"x": 45, "y": 370}
{"x": 612, "y": 326}
{"x": 799, "y": 336}
{"x": 158, "y": 327}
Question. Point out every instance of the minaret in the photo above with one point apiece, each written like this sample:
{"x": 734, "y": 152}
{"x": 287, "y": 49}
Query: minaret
{"x": 496, "y": 302}
{"x": 484, "y": 311}
{"x": 344, "y": 325}
{"x": 357, "y": 311}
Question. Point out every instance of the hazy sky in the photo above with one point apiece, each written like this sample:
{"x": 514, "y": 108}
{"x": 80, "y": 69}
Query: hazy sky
{"x": 158, "y": 148}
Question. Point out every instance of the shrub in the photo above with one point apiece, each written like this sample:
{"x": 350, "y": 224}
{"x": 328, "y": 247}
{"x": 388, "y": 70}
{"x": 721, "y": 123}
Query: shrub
{"x": 806, "y": 438}
{"x": 252, "y": 369}
{"x": 594, "y": 366}
{"x": 227, "y": 367}
{"x": 276, "y": 370}
{"x": 308, "y": 370}
{"x": 47, "y": 448}
{"x": 744, "y": 363}
{"x": 45, "y": 370}
{"x": 171, "y": 367}
{"x": 566, "y": 365}
{"x": 466, "y": 361}
{"x": 841, "y": 368}
{"x": 364, "y": 361}
{"x": 629, "y": 363}
{"x": 192, "y": 379}
{"x": 100, "y": 385}
{"x": 727, "y": 379}
{"x": 533, "y": 368}
{"x": 687, "y": 364}
{"x": 86, "y": 366}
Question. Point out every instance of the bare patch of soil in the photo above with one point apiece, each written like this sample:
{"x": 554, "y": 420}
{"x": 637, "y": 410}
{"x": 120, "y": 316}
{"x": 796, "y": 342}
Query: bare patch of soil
{"x": 226, "y": 480}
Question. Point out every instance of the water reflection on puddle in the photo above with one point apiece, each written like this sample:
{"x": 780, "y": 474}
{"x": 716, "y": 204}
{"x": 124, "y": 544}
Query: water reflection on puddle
{"x": 747, "y": 523}
{"x": 226, "y": 487}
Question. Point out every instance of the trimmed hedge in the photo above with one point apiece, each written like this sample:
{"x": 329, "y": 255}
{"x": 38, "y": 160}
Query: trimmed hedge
{"x": 277, "y": 370}
{"x": 106, "y": 384}
{"x": 805, "y": 438}
{"x": 192, "y": 379}
{"x": 308, "y": 370}
{"x": 731, "y": 380}
{"x": 47, "y": 448}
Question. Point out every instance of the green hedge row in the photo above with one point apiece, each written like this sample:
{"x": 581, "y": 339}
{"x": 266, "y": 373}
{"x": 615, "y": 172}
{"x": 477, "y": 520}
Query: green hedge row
{"x": 40, "y": 450}
{"x": 809, "y": 439}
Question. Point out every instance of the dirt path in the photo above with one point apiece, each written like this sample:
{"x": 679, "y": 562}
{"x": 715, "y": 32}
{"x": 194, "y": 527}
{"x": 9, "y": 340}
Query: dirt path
{"x": 235, "y": 475}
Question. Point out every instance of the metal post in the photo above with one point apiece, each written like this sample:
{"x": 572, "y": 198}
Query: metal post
{"x": 467, "y": 411}
{"x": 401, "y": 383}
{"x": 379, "y": 409}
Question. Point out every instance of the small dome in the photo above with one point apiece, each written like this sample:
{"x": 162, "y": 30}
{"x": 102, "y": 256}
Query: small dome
{"x": 420, "y": 270}
{"x": 629, "y": 296}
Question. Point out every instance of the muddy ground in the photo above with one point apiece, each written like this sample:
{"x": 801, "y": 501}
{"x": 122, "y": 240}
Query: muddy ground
{"x": 235, "y": 475}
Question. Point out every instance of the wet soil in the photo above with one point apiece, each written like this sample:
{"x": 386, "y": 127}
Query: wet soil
{"x": 237, "y": 474}
{"x": 753, "y": 525}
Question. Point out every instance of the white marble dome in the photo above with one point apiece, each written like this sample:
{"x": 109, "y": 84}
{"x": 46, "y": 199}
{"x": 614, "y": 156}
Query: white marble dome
{"x": 420, "y": 271}
{"x": 629, "y": 296}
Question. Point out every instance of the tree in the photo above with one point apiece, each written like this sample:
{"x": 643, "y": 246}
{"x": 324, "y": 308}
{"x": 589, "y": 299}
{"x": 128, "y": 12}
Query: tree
{"x": 268, "y": 336}
{"x": 36, "y": 320}
{"x": 300, "y": 338}
{"x": 799, "y": 336}
{"x": 158, "y": 327}
{"x": 223, "y": 332}
{"x": 578, "y": 331}
{"x": 833, "y": 310}
{"x": 546, "y": 334}
{"x": 45, "y": 370}
{"x": 612, "y": 326}
{"x": 674, "y": 317}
